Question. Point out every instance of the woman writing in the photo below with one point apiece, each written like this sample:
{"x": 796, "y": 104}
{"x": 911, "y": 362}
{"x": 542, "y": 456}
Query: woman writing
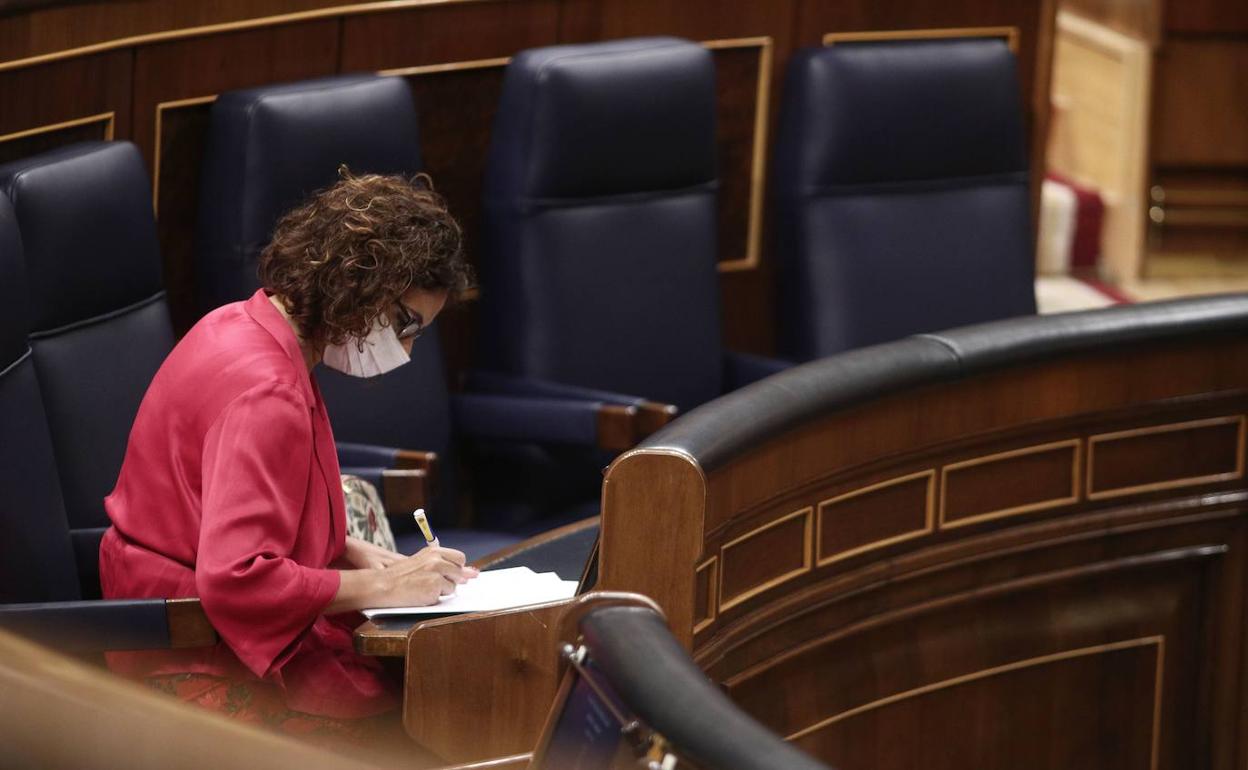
{"x": 230, "y": 486}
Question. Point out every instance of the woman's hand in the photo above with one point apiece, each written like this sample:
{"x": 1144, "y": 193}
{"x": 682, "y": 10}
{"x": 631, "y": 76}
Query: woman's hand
{"x": 362, "y": 554}
{"x": 405, "y": 581}
{"x": 420, "y": 579}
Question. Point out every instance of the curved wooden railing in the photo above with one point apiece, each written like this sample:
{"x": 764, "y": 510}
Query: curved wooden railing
{"x": 1020, "y": 540}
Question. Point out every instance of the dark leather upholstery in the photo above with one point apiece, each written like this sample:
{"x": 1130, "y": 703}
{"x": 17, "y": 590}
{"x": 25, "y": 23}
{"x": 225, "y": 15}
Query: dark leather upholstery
{"x": 36, "y": 562}
{"x": 78, "y": 626}
{"x": 1019, "y": 340}
{"x": 39, "y": 574}
{"x": 902, "y": 195}
{"x": 716, "y": 432}
{"x": 270, "y": 147}
{"x": 600, "y": 199}
{"x": 657, "y": 681}
{"x": 96, "y": 313}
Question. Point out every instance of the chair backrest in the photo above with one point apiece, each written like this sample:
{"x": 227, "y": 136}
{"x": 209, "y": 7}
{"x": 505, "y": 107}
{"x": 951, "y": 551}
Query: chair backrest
{"x": 96, "y": 314}
{"x": 600, "y": 202}
{"x": 902, "y": 193}
{"x": 36, "y": 562}
{"x": 269, "y": 149}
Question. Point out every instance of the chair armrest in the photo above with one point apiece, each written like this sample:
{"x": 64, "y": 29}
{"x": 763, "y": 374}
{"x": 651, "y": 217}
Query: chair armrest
{"x": 404, "y": 477}
{"x": 112, "y": 624}
{"x": 740, "y": 369}
{"x": 545, "y": 420}
{"x": 650, "y": 416}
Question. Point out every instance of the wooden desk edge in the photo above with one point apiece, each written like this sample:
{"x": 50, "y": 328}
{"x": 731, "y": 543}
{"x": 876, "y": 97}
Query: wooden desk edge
{"x": 370, "y": 638}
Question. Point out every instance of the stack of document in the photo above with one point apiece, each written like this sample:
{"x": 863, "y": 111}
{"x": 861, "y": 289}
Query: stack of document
{"x": 497, "y": 589}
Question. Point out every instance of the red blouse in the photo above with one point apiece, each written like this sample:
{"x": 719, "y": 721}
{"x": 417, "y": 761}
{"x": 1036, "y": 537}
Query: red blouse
{"x": 230, "y": 491}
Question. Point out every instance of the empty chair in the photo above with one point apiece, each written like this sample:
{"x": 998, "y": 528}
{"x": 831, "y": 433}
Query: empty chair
{"x": 600, "y": 203}
{"x": 269, "y": 148}
{"x": 40, "y": 577}
{"x": 901, "y": 193}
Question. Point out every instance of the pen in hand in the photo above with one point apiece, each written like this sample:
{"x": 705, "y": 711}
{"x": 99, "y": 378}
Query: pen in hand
{"x": 422, "y": 521}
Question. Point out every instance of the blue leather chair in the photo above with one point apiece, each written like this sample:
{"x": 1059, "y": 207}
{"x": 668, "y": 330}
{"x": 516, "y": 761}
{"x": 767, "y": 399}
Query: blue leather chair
{"x": 600, "y": 198}
{"x": 901, "y": 193}
{"x": 95, "y": 310}
{"x": 42, "y": 584}
{"x": 269, "y": 148}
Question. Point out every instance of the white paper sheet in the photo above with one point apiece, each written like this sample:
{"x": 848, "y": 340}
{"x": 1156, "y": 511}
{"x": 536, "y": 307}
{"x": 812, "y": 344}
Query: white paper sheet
{"x": 497, "y": 589}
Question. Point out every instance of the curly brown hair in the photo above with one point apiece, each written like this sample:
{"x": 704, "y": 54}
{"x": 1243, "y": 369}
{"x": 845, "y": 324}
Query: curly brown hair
{"x": 342, "y": 258}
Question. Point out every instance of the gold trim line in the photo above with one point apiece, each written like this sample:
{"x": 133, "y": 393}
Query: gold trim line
{"x": 110, "y": 118}
{"x": 929, "y": 516}
{"x": 281, "y": 19}
{"x": 1146, "y": 641}
{"x": 1156, "y": 486}
{"x": 1076, "y": 463}
{"x": 809, "y": 513}
{"x": 1010, "y": 34}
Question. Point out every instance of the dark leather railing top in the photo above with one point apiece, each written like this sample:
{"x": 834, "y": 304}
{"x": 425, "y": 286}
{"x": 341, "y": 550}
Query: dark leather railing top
{"x": 715, "y": 432}
{"x": 656, "y": 679}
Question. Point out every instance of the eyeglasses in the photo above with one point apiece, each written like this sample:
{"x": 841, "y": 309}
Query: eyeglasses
{"x": 410, "y": 325}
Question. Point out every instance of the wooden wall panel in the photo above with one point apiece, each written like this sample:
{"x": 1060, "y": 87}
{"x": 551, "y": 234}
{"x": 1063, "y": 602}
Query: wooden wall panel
{"x": 1201, "y": 83}
{"x": 1165, "y": 456}
{"x": 51, "y": 94}
{"x": 149, "y": 53}
{"x": 447, "y": 33}
{"x": 764, "y": 557}
{"x": 68, "y": 25}
{"x": 1010, "y": 483}
{"x": 1216, "y": 17}
{"x": 866, "y": 518}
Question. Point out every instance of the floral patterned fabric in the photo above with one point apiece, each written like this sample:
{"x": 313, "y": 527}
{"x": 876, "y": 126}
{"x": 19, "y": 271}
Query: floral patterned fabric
{"x": 366, "y": 516}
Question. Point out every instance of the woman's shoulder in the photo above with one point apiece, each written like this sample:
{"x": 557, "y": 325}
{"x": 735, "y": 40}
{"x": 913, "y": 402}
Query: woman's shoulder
{"x": 227, "y": 353}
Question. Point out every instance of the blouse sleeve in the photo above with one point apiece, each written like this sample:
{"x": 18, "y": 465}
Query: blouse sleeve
{"x": 256, "y": 463}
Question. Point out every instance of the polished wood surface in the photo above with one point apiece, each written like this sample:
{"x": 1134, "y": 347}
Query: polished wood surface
{"x": 1041, "y": 567}
{"x": 480, "y": 687}
{"x": 188, "y": 624}
{"x": 158, "y": 64}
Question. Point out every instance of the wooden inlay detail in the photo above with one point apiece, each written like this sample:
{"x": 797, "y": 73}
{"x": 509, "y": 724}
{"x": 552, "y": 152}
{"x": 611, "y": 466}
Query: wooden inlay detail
{"x": 875, "y": 516}
{"x": 1165, "y": 456}
{"x": 758, "y": 157}
{"x": 1009, "y": 34}
{"x": 455, "y": 66}
{"x": 1010, "y": 483}
{"x": 1158, "y": 642}
{"x": 174, "y": 104}
{"x": 109, "y": 120}
{"x": 765, "y": 557}
{"x": 705, "y": 584}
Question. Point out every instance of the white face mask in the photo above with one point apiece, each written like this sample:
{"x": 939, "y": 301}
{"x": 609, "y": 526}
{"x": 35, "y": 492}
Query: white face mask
{"x": 382, "y": 352}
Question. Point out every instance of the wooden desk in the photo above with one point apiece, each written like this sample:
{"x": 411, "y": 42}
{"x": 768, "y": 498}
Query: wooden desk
{"x": 385, "y": 638}
{"x": 478, "y": 686}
